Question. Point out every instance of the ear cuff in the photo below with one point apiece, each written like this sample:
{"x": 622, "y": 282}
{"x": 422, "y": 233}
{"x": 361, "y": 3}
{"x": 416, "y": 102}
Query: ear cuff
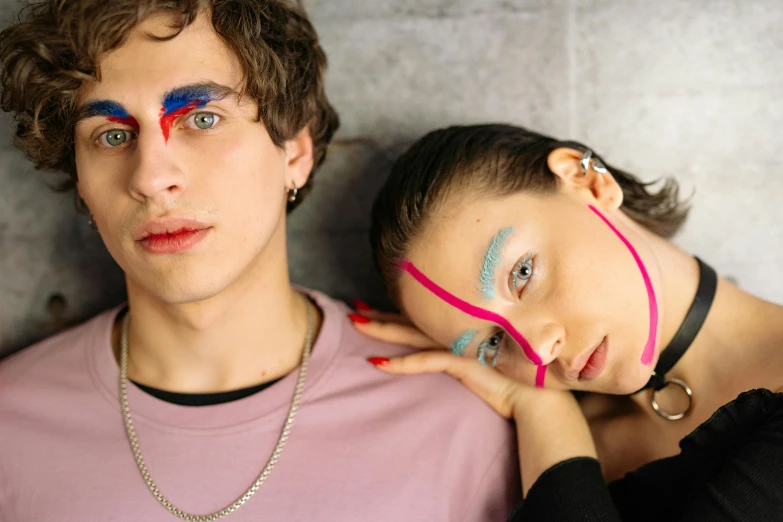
{"x": 598, "y": 165}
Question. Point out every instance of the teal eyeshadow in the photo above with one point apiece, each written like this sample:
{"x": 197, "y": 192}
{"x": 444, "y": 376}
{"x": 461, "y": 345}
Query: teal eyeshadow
{"x": 492, "y": 260}
{"x": 462, "y": 342}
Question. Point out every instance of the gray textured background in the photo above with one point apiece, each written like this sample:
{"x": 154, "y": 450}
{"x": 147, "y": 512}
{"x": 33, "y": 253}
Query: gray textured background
{"x": 690, "y": 88}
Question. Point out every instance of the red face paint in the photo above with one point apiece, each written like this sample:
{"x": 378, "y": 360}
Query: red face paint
{"x": 113, "y": 111}
{"x": 130, "y": 121}
{"x": 181, "y": 101}
{"x": 167, "y": 118}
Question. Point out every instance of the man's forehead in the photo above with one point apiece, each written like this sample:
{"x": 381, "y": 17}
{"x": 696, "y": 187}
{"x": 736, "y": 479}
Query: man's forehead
{"x": 157, "y": 43}
{"x": 147, "y": 70}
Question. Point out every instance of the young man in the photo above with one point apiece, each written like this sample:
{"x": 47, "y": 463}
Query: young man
{"x": 189, "y": 129}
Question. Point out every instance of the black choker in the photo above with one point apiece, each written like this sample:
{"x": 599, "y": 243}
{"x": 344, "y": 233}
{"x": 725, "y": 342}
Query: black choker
{"x": 694, "y": 319}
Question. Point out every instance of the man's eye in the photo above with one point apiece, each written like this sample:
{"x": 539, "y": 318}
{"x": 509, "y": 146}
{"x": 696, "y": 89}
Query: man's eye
{"x": 114, "y": 137}
{"x": 205, "y": 120}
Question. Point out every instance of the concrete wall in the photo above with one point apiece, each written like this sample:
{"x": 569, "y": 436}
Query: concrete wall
{"x": 689, "y": 88}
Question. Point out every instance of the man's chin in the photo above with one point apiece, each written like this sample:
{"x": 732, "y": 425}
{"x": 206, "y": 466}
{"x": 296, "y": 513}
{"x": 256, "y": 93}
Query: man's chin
{"x": 177, "y": 289}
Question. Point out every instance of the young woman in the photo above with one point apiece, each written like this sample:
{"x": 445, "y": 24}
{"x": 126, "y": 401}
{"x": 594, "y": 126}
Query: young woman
{"x": 545, "y": 270}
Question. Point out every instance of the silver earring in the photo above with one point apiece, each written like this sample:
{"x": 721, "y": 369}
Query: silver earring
{"x": 292, "y": 194}
{"x": 92, "y": 223}
{"x": 598, "y": 165}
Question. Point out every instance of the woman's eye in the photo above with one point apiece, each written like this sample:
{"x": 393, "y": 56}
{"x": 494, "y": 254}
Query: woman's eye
{"x": 521, "y": 274}
{"x": 489, "y": 350}
{"x": 205, "y": 120}
{"x": 114, "y": 137}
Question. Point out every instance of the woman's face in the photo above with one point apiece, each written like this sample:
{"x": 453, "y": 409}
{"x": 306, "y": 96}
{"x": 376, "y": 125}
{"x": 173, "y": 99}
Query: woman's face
{"x": 556, "y": 271}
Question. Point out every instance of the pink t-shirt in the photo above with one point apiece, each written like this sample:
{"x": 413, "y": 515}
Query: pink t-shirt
{"x": 364, "y": 446}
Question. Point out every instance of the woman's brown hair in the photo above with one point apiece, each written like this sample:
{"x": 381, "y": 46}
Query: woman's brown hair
{"x": 494, "y": 160}
{"x": 55, "y": 46}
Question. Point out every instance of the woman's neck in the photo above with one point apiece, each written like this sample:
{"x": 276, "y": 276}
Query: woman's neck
{"x": 738, "y": 345}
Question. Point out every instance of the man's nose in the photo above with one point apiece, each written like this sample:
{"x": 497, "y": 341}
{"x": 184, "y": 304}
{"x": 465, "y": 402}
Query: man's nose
{"x": 156, "y": 176}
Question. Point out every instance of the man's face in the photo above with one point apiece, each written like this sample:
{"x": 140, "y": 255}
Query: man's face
{"x": 186, "y": 187}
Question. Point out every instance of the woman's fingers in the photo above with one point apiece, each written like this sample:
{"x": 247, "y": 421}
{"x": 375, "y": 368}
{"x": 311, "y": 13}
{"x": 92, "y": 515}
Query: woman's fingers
{"x": 497, "y": 390}
{"x": 394, "y": 333}
{"x": 366, "y": 310}
{"x": 389, "y": 327}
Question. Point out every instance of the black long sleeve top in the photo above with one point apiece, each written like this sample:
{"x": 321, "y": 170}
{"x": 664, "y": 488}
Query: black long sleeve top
{"x": 729, "y": 469}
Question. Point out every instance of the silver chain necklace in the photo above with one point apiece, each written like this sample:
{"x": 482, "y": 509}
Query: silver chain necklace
{"x": 134, "y": 441}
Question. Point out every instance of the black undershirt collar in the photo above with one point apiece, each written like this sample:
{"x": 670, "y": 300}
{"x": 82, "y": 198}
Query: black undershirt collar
{"x": 204, "y": 399}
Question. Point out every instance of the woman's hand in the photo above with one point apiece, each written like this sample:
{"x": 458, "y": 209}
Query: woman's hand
{"x": 550, "y": 425}
{"x": 497, "y": 390}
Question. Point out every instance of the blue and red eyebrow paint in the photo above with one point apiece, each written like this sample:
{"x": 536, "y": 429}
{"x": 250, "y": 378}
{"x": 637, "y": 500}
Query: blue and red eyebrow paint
{"x": 112, "y": 111}
{"x": 176, "y": 103}
{"x": 181, "y": 101}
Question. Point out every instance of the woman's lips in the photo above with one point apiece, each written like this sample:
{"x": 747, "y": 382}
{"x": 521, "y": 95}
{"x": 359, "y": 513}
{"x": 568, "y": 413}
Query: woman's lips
{"x": 174, "y": 242}
{"x": 595, "y": 364}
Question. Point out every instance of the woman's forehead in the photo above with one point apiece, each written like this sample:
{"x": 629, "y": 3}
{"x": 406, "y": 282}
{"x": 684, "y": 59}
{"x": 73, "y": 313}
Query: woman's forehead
{"x": 434, "y": 316}
{"x": 454, "y": 247}
{"x": 458, "y": 275}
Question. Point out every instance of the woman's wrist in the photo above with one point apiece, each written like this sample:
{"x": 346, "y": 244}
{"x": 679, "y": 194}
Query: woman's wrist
{"x": 550, "y": 429}
{"x": 529, "y": 401}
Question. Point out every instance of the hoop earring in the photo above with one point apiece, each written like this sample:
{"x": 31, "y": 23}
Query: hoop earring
{"x": 598, "y": 165}
{"x": 292, "y": 194}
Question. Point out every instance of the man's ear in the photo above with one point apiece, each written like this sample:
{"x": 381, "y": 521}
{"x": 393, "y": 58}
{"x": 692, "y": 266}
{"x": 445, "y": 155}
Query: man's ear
{"x": 598, "y": 188}
{"x": 299, "y": 158}
{"x": 81, "y": 204}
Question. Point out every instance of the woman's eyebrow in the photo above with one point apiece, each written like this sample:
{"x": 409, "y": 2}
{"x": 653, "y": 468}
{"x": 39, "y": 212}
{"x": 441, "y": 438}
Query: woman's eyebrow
{"x": 492, "y": 259}
{"x": 462, "y": 342}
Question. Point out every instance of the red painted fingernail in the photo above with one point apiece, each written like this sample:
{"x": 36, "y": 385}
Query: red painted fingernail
{"x": 378, "y": 361}
{"x": 358, "y": 318}
{"x": 361, "y": 305}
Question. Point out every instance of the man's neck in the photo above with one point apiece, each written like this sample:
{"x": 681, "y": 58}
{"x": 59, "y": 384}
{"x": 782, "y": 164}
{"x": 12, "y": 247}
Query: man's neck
{"x": 250, "y": 333}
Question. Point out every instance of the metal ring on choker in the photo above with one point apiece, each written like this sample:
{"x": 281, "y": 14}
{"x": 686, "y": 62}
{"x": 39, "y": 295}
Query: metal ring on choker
{"x": 667, "y": 415}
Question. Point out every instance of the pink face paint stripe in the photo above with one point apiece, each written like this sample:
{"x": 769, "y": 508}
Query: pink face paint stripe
{"x": 471, "y": 310}
{"x": 540, "y": 375}
{"x": 649, "y": 348}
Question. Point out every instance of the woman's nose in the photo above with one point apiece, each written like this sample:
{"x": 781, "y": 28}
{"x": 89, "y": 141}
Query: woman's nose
{"x": 548, "y": 341}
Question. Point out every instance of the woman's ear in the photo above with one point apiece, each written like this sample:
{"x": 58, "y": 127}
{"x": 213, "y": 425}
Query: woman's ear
{"x": 597, "y": 187}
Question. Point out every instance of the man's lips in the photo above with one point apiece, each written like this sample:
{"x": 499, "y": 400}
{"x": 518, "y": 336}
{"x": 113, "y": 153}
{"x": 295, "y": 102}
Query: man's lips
{"x": 170, "y": 236}
{"x": 173, "y": 243}
{"x": 167, "y": 227}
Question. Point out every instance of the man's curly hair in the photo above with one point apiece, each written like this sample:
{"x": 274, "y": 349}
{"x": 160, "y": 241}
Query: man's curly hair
{"x": 55, "y": 46}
